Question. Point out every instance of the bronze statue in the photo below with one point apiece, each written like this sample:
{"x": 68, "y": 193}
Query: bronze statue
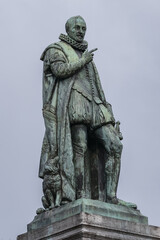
{"x": 80, "y": 126}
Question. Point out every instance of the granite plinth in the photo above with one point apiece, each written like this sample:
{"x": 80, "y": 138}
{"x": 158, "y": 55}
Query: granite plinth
{"x": 89, "y": 206}
{"x": 88, "y": 220}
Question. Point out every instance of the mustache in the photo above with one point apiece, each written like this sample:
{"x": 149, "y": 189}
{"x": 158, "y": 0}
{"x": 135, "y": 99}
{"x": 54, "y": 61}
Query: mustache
{"x": 80, "y": 34}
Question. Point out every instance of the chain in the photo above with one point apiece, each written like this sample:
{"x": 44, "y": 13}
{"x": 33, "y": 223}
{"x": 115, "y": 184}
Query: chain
{"x": 93, "y": 92}
{"x": 90, "y": 80}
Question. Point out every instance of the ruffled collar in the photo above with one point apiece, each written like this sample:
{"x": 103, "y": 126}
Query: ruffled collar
{"x": 80, "y": 46}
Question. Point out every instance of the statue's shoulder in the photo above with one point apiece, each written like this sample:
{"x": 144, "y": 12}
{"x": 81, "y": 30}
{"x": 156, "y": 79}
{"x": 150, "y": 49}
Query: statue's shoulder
{"x": 56, "y": 46}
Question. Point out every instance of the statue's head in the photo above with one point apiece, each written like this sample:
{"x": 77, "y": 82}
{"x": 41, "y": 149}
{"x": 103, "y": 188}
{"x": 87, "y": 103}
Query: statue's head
{"x": 76, "y": 28}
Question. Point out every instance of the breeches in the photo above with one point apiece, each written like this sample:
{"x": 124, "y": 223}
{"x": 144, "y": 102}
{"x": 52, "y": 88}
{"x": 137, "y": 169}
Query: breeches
{"x": 87, "y": 112}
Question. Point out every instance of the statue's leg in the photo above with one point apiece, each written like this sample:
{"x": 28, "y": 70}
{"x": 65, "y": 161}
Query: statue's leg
{"x": 79, "y": 141}
{"x": 107, "y": 136}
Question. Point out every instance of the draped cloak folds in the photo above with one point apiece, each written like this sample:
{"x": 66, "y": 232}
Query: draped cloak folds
{"x": 56, "y": 95}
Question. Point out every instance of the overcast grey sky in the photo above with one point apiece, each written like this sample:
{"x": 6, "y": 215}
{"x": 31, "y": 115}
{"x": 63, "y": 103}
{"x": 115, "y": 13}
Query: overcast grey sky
{"x": 127, "y": 34}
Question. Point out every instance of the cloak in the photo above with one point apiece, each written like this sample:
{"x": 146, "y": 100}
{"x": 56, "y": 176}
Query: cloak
{"x": 56, "y": 95}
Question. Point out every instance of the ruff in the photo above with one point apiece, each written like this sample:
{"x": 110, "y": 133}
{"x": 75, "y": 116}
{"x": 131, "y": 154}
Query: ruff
{"x": 80, "y": 46}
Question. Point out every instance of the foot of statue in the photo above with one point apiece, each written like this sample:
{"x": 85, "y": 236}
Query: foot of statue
{"x": 127, "y": 204}
{"x": 115, "y": 200}
{"x": 112, "y": 200}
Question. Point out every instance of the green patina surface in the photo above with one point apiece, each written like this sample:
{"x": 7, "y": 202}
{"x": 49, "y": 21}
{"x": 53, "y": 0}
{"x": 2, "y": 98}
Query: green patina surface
{"x": 81, "y": 152}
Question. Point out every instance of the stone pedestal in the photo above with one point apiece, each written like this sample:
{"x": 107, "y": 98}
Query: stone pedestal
{"x": 86, "y": 219}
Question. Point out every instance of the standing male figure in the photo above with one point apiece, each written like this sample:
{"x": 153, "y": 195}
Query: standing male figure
{"x": 75, "y": 111}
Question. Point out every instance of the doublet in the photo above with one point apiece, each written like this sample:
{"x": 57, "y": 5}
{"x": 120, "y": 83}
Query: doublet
{"x": 85, "y": 105}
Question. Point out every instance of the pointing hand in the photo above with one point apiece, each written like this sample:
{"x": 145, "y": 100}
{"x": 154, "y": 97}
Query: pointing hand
{"x": 88, "y": 56}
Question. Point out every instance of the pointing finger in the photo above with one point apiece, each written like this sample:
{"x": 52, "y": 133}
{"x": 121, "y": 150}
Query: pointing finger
{"x": 93, "y": 50}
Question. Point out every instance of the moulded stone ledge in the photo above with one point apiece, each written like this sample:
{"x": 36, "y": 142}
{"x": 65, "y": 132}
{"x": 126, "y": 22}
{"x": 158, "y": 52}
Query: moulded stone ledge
{"x": 86, "y": 219}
